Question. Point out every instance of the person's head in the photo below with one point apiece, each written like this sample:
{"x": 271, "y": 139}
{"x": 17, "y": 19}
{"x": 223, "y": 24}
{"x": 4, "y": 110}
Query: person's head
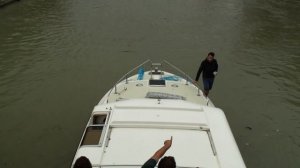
{"x": 167, "y": 162}
{"x": 82, "y": 162}
{"x": 210, "y": 56}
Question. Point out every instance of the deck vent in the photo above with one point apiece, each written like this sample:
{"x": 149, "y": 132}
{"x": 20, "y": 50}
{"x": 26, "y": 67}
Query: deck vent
{"x": 160, "y": 95}
{"x": 139, "y": 85}
{"x": 175, "y": 85}
{"x": 157, "y": 82}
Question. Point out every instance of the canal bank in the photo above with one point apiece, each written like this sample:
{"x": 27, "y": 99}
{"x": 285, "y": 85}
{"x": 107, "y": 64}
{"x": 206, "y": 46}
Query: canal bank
{"x": 6, "y": 2}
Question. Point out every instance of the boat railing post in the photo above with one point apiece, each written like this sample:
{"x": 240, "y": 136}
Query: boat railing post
{"x": 151, "y": 70}
{"x": 126, "y": 75}
{"x": 186, "y": 75}
{"x": 115, "y": 88}
{"x": 186, "y": 78}
{"x": 126, "y": 79}
{"x": 161, "y": 71}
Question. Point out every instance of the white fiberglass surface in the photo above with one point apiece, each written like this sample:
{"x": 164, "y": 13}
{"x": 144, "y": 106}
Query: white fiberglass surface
{"x": 134, "y": 146}
{"x": 160, "y": 116}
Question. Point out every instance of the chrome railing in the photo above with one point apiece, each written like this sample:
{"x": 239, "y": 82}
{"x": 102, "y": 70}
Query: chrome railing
{"x": 125, "y": 77}
{"x": 187, "y": 77}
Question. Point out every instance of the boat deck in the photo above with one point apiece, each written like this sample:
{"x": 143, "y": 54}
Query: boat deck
{"x": 134, "y": 118}
{"x": 173, "y": 89}
{"x": 132, "y": 130}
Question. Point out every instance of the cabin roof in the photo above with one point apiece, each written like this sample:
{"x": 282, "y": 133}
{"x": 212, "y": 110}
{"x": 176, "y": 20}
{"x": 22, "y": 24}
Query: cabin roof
{"x": 136, "y": 128}
{"x": 131, "y": 146}
{"x": 158, "y": 112}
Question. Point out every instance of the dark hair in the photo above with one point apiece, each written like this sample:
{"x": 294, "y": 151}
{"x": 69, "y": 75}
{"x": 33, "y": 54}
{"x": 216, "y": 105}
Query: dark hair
{"x": 167, "y": 162}
{"x": 211, "y": 53}
{"x": 82, "y": 162}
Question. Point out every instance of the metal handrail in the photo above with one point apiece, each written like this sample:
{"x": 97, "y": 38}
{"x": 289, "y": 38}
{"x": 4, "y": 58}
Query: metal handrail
{"x": 188, "y": 78}
{"x": 126, "y": 77}
{"x": 179, "y": 70}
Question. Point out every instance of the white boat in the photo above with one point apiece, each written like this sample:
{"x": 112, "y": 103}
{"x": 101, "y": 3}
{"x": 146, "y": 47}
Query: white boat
{"x": 141, "y": 111}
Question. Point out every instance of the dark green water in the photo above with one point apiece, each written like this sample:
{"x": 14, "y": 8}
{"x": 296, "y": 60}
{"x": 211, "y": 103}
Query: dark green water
{"x": 58, "y": 58}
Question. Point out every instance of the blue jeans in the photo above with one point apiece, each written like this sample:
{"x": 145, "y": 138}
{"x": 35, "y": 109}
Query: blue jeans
{"x": 208, "y": 83}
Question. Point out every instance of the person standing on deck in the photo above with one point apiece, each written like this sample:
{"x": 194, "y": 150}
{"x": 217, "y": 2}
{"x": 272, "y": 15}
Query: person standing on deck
{"x": 209, "y": 69}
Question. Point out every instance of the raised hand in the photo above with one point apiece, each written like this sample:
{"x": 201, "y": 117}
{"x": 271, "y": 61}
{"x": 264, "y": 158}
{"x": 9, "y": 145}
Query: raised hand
{"x": 168, "y": 143}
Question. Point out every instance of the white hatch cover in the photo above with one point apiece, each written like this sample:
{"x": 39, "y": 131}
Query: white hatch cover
{"x": 131, "y": 147}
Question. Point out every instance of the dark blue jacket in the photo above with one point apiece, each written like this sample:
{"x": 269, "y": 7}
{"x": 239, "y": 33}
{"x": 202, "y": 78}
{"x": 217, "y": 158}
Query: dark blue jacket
{"x": 207, "y": 68}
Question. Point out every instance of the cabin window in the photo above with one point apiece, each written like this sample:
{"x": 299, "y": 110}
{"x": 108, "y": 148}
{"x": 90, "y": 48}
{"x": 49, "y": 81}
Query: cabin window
{"x": 99, "y": 119}
{"x": 94, "y": 131}
{"x": 92, "y": 135}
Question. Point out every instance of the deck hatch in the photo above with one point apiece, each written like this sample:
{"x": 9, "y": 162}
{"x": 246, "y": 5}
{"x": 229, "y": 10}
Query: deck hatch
{"x": 156, "y": 73}
{"x": 160, "y": 95}
{"x": 157, "y": 82}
